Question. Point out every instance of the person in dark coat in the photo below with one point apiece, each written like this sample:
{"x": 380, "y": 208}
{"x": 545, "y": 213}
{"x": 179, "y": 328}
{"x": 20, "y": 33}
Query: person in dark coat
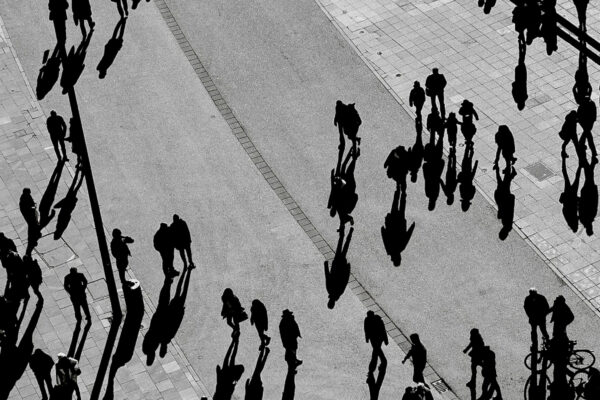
{"x": 562, "y": 316}
{"x": 417, "y": 98}
{"x": 568, "y": 132}
{"x": 396, "y": 165}
{"x": 120, "y": 251}
{"x": 434, "y": 87}
{"x": 41, "y": 364}
{"x": 34, "y": 274}
{"x": 467, "y": 127}
{"x": 418, "y": 354}
{"x": 376, "y": 334}
{"x": 28, "y": 207}
{"x": 57, "y": 128}
{"x": 75, "y": 284}
{"x": 451, "y": 126}
{"x": 260, "y": 319}
{"x": 586, "y": 116}
{"x": 536, "y": 307}
{"x": 182, "y": 240}
{"x": 506, "y": 145}
{"x": 232, "y": 311}
{"x": 67, "y": 370}
{"x": 82, "y": 11}
{"x": 290, "y": 332}
{"x": 340, "y": 120}
{"x": 163, "y": 243}
{"x": 475, "y": 350}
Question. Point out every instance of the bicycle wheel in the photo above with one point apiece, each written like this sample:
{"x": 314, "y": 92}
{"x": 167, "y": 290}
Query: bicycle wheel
{"x": 539, "y": 362}
{"x": 528, "y": 383}
{"x": 577, "y": 383}
{"x": 581, "y": 359}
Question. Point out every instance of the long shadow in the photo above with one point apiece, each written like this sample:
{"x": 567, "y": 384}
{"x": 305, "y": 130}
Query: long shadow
{"x": 48, "y": 74}
{"x": 337, "y": 276}
{"x": 375, "y": 384}
{"x": 175, "y": 310}
{"x": 465, "y": 178}
{"x": 229, "y": 374}
{"x": 112, "y": 47}
{"x": 77, "y": 343}
{"x": 415, "y": 153}
{"x": 588, "y": 200}
{"x": 254, "y": 385}
{"x": 568, "y": 198}
{"x": 289, "y": 386}
{"x": 505, "y": 201}
{"x": 129, "y": 333}
{"x": 68, "y": 203}
{"x": 343, "y": 197}
{"x": 14, "y": 359}
{"x": 548, "y": 28}
{"x": 74, "y": 64}
{"x": 395, "y": 235}
{"x": 434, "y": 165}
{"x": 519, "y": 86}
{"x": 158, "y": 326}
{"x": 451, "y": 182}
{"x": 45, "y": 207}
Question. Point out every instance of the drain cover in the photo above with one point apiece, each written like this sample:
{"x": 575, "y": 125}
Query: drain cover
{"x": 539, "y": 171}
{"x": 440, "y": 386}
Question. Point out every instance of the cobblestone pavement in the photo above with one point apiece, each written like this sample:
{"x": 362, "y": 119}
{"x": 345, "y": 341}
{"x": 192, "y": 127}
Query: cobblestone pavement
{"x": 28, "y": 160}
{"x": 402, "y": 40}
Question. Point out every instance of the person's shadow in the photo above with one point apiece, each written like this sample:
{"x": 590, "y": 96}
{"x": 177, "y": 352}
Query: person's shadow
{"x": 175, "y": 311}
{"x": 338, "y": 275}
{"x": 289, "y": 387}
{"x": 343, "y": 197}
{"x": 394, "y": 233}
{"x": 568, "y": 198}
{"x": 112, "y": 47}
{"x": 449, "y": 186}
{"x": 158, "y": 326}
{"x": 254, "y": 386}
{"x": 68, "y": 203}
{"x": 229, "y": 374}
{"x": 505, "y": 200}
{"x": 75, "y": 351}
{"x": 45, "y": 207}
{"x": 375, "y": 384}
{"x": 433, "y": 168}
{"x": 465, "y": 178}
{"x": 48, "y": 74}
{"x": 548, "y": 29}
{"x": 588, "y": 200}
{"x": 415, "y": 153}
{"x": 74, "y": 64}
{"x": 129, "y": 333}
{"x": 519, "y": 86}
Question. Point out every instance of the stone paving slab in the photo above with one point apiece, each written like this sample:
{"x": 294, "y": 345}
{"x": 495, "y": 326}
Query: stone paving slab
{"x": 28, "y": 161}
{"x": 402, "y": 40}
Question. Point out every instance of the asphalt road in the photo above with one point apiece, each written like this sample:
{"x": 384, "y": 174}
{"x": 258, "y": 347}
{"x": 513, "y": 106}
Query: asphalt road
{"x": 159, "y": 147}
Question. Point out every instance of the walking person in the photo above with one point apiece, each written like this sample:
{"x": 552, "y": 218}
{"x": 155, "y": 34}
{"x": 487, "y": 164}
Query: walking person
{"x": 28, "y": 207}
{"x": 34, "y": 274}
{"x": 568, "y": 132}
{"x": 418, "y": 354}
{"x": 417, "y": 98}
{"x": 434, "y": 87}
{"x": 41, "y": 364}
{"x": 290, "y": 332}
{"x": 120, "y": 251}
{"x": 260, "y": 319}
{"x": 562, "y": 316}
{"x": 467, "y": 127}
{"x": 163, "y": 243}
{"x": 536, "y": 307}
{"x": 75, "y": 284}
{"x": 182, "y": 240}
{"x": 82, "y": 11}
{"x": 233, "y": 311}
{"x": 451, "y": 126}
{"x": 376, "y": 334}
{"x": 506, "y": 145}
{"x": 67, "y": 370}
{"x": 57, "y": 128}
{"x": 475, "y": 350}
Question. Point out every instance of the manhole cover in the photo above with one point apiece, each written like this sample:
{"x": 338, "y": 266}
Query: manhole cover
{"x": 539, "y": 171}
{"x": 440, "y": 386}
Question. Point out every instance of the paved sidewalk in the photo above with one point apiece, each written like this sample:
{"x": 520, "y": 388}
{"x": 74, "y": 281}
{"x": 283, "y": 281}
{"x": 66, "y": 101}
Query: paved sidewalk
{"x": 402, "y": 40}
{"x": 28, "y": 160}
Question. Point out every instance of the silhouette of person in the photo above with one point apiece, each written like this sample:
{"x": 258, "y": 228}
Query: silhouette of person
{"x": 45, "y": 209}
{"x": 82, "y": 11}
{"x": 74, "y": 63}
{"x": 433, "y": 168}
{"x": 467, "y": 127}
{"x": 340, "y": 121}
{"x": 519, "y": 18}
{"x": 229, "y": 374}
{"x": 76, "y": 138}
{"x": 586, "y": 116}
{"x": 337, "y": 277}
{"x": 423, "y": 392}
{"x": 232, "y": 311}
{"x": 376, "y": 334}
{"x": 562, "y": 316}
{"x": 260, "y": 319}
{"x": 182, "y": 240}
{"x": 48, "y": 74}
{"x": 75, "y": 284}
{"x": 417, "y": 98}
{"x": 569, "y": 198}
{"x": 536, "y": 307}
{"x": 395, "y": 235}
{"x": 409, "y": 391}
{"x": 11, "y": 261}
{"x": 519, "y": 86}
{"x": 548, "y": 28}
{"x": 290, "y": 332}
{"x": 114, "y": 44}
{"x": 532, "y": 20}
{"x": 163, "y": 243}
{"x": 28, "y": 207}
{"x": 58, "y": 16}
{"x": 396, "y": 165}
{"x": 582, "y": 89}
{"x": 568, "y": 132}
{"x": 418, "y": 355}
{"x": 434, "y": 122}
{"x": 588, "y": 198}
{"x": 254, "y": 385}
{"x": 67, "y": 370}
{"x": 34, "y": 274}
{"x": 57, "y": 130}
{"x": 434, "y": 88}
{"x": 68, "y": 203}
{"x": 488, "y": 371}
{"x": 176, "y": 311}
{"x": 33, "y": 235}
{"x": 505, "y": 201}
{"x": 343, "y": 189}
{"x": 451, "y": 127}
{"x": 120, "y": 251}
{"x": 506, "y": 145}
{"x": 158, "y": 323}
{"x": 352, "y": 124}
{"x": 41, "y": 364}
{"x": 415, "y": 154}
{"x": 476, "y": 347}
{"x": 449, "y": 186}
{"x": 465, "y": 178}
{"x": 581, "y": 7}
{"x": 375, "y": 384}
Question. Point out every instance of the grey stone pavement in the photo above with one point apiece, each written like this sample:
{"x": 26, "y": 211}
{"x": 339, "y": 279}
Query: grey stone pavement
{"x": 28, "y": 161}
{"x": 402, "y": 40}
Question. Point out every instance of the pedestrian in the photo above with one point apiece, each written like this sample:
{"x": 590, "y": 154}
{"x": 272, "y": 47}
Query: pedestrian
{"x": 476, "y": 347}
{"x": 569, "y": 198}
{"x": 418, "y": 354}
{"x": 465, "y": 178}
{"x": 582, "y": 89}
{"x": 396, "y": 165}
{"x": 505, "y": 201}
{"x": 451, "y": 126}
{"x": 76, "y": 138}
{"x": 336, "y": 277}
{"x": 506, "y": 145}
{"x": 58, "y": 16}
{"x": 260, "y": 319}
{"x": 536, "y": 307}
{"x": 467, "y": 127}
{"x": 41, "y": 364}
{"x": 417, "y": 98}
{"x": 533, "y": 20}
{"x": 376, "y": 334}
{"x": 28, "y": 207}
{"x": 67, "y": 205}
{"x": 434, "y": 122}
{"x": 290, "y": 332}
{"x": 163, "y": 243}
{"x": 434, "y": 88}
{"x": 67, "y": 370}
{"x": 34, "y": 274}
{"x": 182, "y": 240}
{"x": 562, "y": 316}
{"x": 568, "y": 132}
{"x": 120, "y": 251}
{"x": 75, "y": 284}
{"x": 57, "y": 128}
{"x": 410, "y": 394}
{"x": 232, "y": 311}
{"x": 82, "y": 11}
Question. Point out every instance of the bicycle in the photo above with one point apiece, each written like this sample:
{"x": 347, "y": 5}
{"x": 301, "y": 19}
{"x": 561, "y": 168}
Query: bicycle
{"x": 578, "y": 359}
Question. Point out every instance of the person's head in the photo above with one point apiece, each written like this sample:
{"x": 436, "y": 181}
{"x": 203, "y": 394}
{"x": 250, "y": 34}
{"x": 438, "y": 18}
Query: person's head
{"x": 116, "y": 233}
{"x": 227, "y": 293}
{"x": 451, "y": 116}
{"x": 532, "y": 290}
{"x": 163, "y": 226}
{"x": 560, "y": 299}
{"x": 26, "y": 191}
{"x": 370, "y": 313}
{"x": 176, "y": 218}
{"x": 571, "y": 116}
{"x": 435, "y": 71}
{"x": 474, "y": 332}
{"x": 339, "y": 103}
{"x": 52, "y": 113}
{"x": 287, "y": 314}
{"x": 417, "y": 84}
{"x": 415, "y": 338}
{"x": 237, "y": 371}
{"x": 73, "y": 270}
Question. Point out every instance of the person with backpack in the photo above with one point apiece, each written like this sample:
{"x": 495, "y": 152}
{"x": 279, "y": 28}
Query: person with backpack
{"x": 562, "y": 316}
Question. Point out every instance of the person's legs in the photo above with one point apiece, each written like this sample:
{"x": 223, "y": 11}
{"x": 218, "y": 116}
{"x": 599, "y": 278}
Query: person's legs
{"x": 188, "y": 251}
{"x": 40, "y": 382}
{"x": 183, "y": 258}
{"x": 442, "y": 105}
{"x": 76, "y": 307}
{"x": 86, "y": 309}
{"x": 542, "y": 325}
{"x": 55, "y": 144}
{"x": 82, "y": 26}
